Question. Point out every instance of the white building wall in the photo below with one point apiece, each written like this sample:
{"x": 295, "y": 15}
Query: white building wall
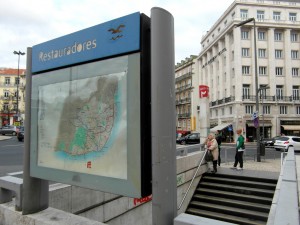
{"x": 224, "y": 76}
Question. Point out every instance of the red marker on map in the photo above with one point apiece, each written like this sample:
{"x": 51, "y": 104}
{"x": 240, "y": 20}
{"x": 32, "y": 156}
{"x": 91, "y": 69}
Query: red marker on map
{"x": 89, "y": 164}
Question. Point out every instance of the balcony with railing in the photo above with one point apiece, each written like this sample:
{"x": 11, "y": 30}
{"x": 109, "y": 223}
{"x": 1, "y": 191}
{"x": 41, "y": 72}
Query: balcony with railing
{"x": 222, "y": 101}
{"x": 184, "y": 76}
{"x": 5, "y": 110}
{"x": 184, "y": 115}
{"x": 272, "y": 98}
{"x": 9, "y": 98}
{"x": 183, "y": 101}
{"x": 11, "y": 85}
{"x": 184, "y": 88}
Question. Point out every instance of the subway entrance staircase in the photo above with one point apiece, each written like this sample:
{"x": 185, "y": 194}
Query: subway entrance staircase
{"x": 233, "y": 198}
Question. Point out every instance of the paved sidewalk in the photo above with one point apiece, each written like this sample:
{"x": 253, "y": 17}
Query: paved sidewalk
{"x": 267, "y": 168}
{"x": 3, "y": 137}
{"x": 272, "y": 165}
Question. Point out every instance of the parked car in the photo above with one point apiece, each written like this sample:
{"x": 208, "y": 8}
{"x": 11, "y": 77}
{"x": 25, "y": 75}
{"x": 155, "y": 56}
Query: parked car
{"x": 285, "y": 142}
{"x": 269, "y": 141}
{"x": 193, "y": 138}
{"x": 20, "y": 134}
{"x": 12, "y": 130}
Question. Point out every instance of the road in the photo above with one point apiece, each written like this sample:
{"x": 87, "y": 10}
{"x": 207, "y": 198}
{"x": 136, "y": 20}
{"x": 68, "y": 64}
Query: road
{"x": 11, "y": 156}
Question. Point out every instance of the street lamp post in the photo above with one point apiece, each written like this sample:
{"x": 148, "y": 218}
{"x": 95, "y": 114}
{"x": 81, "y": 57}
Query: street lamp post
{"x": 265, "y": 87}
{"x": 19, "y": 53}
{"x": 256, "y": 83}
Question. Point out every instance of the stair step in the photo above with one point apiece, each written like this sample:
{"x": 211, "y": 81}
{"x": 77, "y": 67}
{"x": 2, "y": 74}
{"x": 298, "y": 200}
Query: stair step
{"x": 234, "y": 181}
{"x": 233, "y": 195}
{"x": 224, "y": 217}
{"x": 245, "y": 213}
{"x": 232, "y": 203}
{"x": 237, "y": 189}
{"x": 241, "y": 178}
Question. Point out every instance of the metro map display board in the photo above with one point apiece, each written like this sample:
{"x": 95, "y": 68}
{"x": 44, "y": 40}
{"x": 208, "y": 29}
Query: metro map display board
{"x": 90, "y": 122}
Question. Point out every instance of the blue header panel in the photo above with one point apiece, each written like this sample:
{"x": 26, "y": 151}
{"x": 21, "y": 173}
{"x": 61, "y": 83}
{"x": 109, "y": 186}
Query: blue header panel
{"x": 107, "y": 39}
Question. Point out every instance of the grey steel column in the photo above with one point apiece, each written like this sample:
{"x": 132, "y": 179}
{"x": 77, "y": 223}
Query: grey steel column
{"x": 164, "y": 185}
{"x": 35, "y": 190}
{"x": 256, "y": 97}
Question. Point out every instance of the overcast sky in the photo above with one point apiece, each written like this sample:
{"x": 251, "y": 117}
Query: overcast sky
{"x": 24, "y": 23}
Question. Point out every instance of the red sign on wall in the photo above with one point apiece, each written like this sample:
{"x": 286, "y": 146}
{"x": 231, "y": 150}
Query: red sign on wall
{"x": 203, "y": 91}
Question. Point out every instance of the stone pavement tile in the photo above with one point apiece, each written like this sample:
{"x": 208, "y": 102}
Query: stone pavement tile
{"x": 269, "y": 168}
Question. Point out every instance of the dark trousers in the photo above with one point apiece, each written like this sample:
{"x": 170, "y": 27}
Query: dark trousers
{"x": 219, "y": 158}
{"x": 239, "y": 158}
{"x": 215, "y": 162}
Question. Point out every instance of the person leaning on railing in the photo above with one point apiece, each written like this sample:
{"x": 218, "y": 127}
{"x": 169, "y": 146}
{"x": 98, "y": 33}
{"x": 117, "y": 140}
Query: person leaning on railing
{"x": 212, "y": 147}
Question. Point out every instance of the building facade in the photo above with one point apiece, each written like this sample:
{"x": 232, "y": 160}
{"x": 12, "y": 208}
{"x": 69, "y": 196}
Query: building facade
{"x": 186, "y": 109}
{"x": 227, "y": 66}
{"x": 12, "y": 96}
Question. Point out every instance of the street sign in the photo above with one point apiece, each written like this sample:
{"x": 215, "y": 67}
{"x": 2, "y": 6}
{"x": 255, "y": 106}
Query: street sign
{"x": 254, "y": 115}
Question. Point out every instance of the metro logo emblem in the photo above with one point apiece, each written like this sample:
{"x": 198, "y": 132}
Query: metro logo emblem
{"x": 203, "y": 91}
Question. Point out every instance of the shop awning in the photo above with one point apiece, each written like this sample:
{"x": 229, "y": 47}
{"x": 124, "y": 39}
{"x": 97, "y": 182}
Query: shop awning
{"x": 291, "y": 127}
{"x": 220, "y": 127}
{"x": 261, "y": 124}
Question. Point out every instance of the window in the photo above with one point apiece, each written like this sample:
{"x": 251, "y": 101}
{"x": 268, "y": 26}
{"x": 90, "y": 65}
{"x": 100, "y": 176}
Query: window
{"x": 266, "y": 109}
{"x": 282, "y": 109}
{"x": 230, "y": 110}
{"x": 5, "y": 106}
{"x": 249, "y": 109}
{"x": 6, "y": 94}
{"x": 292, "y": 16}
{"x": 276, "y": 15}
{"x": 298, "y": 110}
{"x": 262, "y": 70}
{"x": 260, "y": 15}
{"x": 295, "y": 72}
{"x": 294, "y": 37}
{"x": 278, "y": 54}
{"x": 17, "y": 80}
{"x": 279, "y": 71}
{"x": 296, "y": 93}
{"x": 244, "y": 13}
{"x": 278, "y": 36}
{"x": 7, "y": 81}
{"x": 245, "y": 35}
{"x": 294, "y": 54}
{"x": 263, "y": 92}
{"x": 246, "y": 91}
{"x": 261, "y": 35}
{"x": 245, "y": 70}
{"x": 223, "y": 111}
{"x": 261, "y": 53}
{"x": 245, "y": 52}
{"x": 279, "y": 91}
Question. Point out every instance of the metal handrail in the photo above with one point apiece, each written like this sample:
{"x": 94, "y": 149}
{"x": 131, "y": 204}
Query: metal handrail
{"x": 192, "y": 180}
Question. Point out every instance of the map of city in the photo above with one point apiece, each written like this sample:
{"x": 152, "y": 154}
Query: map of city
{"x": 82, "y": 125}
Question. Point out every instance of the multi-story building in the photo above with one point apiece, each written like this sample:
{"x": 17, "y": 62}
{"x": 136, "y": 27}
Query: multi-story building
{"x": 12, "y": 110}
{"x": 227, "y": 66}
{"x": 185, "y": 81}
